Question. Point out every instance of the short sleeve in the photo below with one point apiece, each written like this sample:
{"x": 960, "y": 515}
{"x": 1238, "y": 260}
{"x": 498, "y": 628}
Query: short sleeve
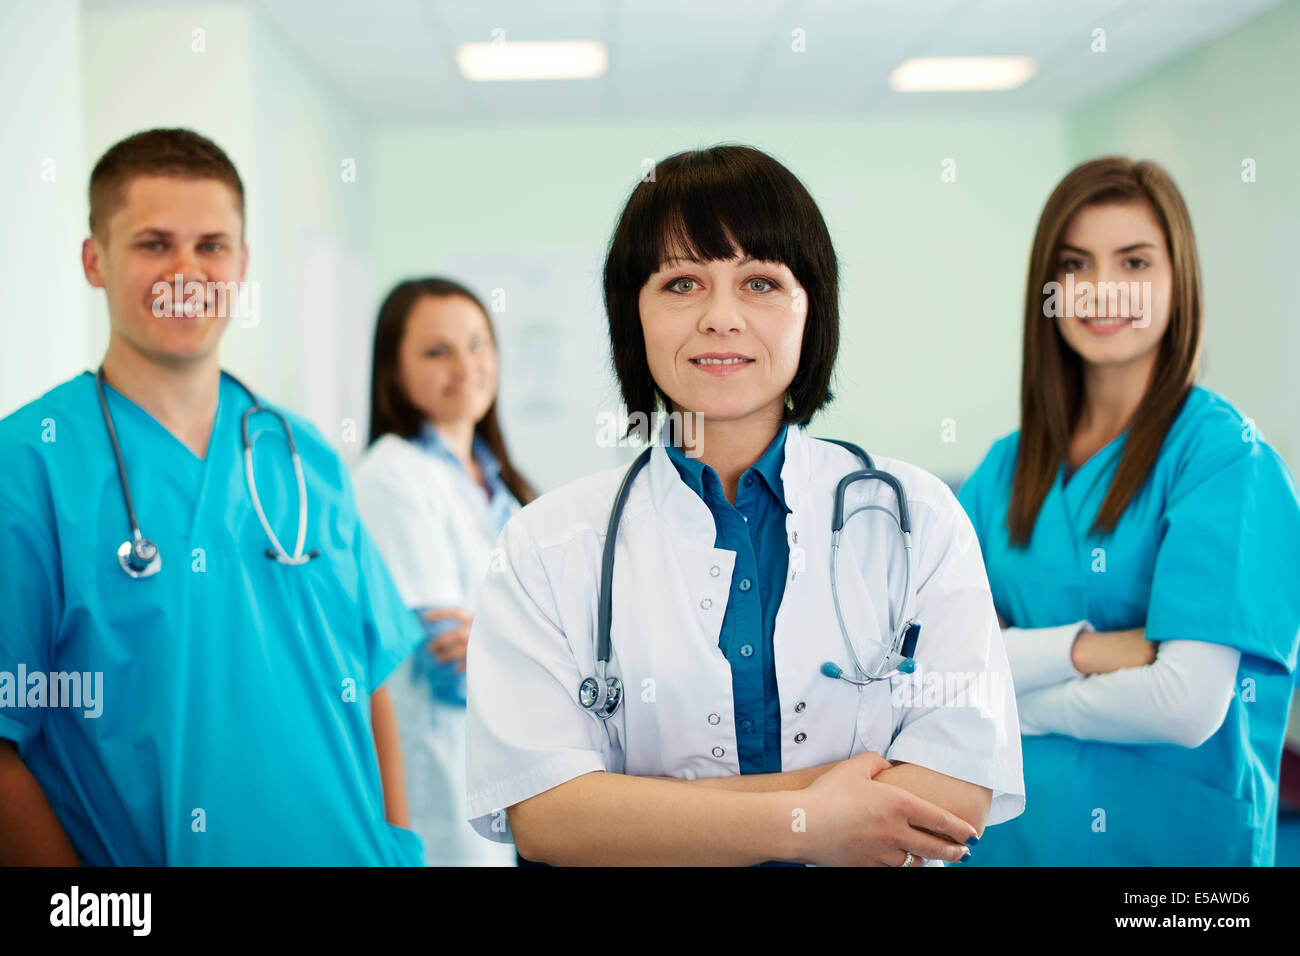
{"x": 956, "y": 714}
{"x": 526, "y": 732}
{"x": 977, "y": 493}
{"x": 30, "y": 595}
{"x": 971, "y": 494}
{"x": 392, "y": 631}
{"x": 1226, "y": 568}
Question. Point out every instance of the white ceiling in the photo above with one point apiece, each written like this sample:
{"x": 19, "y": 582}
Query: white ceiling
{"x": 394, "y": 59}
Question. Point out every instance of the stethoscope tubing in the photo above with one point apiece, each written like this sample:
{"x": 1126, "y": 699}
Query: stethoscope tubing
{"x": 602, "y": 694}
{"x": 279, "y": 554}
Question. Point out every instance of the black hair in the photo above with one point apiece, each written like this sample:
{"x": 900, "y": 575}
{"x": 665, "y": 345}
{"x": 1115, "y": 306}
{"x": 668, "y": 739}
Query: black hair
{"x": 694, "y": 203}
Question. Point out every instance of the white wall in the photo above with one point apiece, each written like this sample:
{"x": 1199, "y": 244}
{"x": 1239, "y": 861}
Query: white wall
{"x": 100, "y": 72}
{"x": 46, "y": 330}
{"x": 931, "y": 270}
{"x": 1201, "y": 117}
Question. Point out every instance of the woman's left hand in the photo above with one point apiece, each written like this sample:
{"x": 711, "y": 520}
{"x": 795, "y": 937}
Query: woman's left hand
{"x": 453, "y": 645}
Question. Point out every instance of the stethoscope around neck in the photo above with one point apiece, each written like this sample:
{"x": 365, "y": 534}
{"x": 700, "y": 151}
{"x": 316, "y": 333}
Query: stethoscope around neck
{"x": 139, "y": 556}
{"x": 602, "y": 693}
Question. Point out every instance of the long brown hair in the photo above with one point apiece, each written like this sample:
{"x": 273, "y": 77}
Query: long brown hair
{"x": 1051, "y": 389}
{"x": 390, "y": 407}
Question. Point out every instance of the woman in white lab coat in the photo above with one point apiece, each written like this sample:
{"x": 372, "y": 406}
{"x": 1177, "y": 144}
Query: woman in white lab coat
{"x": 434, "y": 489}
{"x": 731, "y": 744}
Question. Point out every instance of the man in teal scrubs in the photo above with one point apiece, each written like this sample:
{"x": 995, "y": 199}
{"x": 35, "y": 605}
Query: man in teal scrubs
{"x": 226, "y": 709}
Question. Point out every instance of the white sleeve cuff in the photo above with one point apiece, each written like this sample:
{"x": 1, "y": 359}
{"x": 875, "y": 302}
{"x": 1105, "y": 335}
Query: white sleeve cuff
{"x": 1040, "y": 656}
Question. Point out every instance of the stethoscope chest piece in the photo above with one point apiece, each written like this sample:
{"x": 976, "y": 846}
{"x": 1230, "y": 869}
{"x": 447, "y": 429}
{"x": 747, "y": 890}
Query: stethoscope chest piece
{"x": 604, "y": 704}
{"x": 139, "y": 557}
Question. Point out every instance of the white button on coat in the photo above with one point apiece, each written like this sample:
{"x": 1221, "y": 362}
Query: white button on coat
{"x": 533, "y": 640}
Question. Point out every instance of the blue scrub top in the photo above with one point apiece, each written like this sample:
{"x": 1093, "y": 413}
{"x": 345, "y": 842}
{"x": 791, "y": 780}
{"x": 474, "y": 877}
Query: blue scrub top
{"x": 1207, "y": 550}
{"x": 754, "y": 528}
{"x": 234, "y": 719}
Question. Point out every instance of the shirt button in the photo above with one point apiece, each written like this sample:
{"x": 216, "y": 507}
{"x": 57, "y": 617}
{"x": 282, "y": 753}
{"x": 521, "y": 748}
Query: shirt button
{"x": 718, "y": 751}
{"x": 746, "y": 725}
{"x": 746, "y": 650}
{"x": 798, "y": 708}
{"x": 800, "y": 737}
{"x": 706, "y": 604}
{"x": 714, "y": 718}
{"x": 749, "y": 479}
{"x": 714, "y": 570}
{"x": 744, "y": 584}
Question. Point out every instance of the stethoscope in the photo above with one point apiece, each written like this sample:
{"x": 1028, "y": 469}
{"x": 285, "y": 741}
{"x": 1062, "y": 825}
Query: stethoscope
{"x": 603, "y": 693}
{"x": 139, "y": 555}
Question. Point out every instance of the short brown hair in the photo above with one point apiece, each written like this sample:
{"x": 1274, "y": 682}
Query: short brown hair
{"x": 181, "y": 153}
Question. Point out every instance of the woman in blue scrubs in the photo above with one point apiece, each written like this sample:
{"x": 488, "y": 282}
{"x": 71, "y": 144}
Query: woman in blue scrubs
{"x": 1141, "y": 540}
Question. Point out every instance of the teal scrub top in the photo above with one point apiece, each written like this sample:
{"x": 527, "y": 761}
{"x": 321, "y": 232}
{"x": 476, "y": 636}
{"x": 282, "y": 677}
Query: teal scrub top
{"x": 233, "y": 723}
{"x": 1207, "y": 550}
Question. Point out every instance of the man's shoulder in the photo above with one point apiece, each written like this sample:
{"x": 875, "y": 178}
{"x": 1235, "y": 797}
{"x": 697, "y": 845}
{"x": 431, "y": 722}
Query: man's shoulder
{"x": 38, "y": 421}
{"x": 59, "y": 432}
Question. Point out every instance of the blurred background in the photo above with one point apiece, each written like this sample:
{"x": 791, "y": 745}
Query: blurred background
{"x": 369, "y": 156}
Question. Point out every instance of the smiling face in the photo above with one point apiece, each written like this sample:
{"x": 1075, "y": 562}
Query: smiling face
{"x": 722, "y": 338}
{"x": 447, "y": 363}
{"x": 163, "y": 227}
{"x": 1120, "y": 243}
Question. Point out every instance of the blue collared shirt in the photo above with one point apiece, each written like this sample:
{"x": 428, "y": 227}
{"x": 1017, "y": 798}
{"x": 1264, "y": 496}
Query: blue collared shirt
{"x": 754, "y": 528}
{"x": 501, "y": 504}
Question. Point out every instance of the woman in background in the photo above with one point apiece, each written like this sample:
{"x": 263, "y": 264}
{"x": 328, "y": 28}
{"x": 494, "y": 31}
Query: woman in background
{"x": 1142, "y": 540}
{"x": 434, "y": 489}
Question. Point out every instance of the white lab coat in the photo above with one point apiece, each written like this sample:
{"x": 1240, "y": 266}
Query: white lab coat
{"x": 533, "y": 640}
{"x": 431, "y": 524}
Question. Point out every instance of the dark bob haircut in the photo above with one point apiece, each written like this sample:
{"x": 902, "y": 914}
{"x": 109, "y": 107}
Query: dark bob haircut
{"x": 693, "y": 204}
